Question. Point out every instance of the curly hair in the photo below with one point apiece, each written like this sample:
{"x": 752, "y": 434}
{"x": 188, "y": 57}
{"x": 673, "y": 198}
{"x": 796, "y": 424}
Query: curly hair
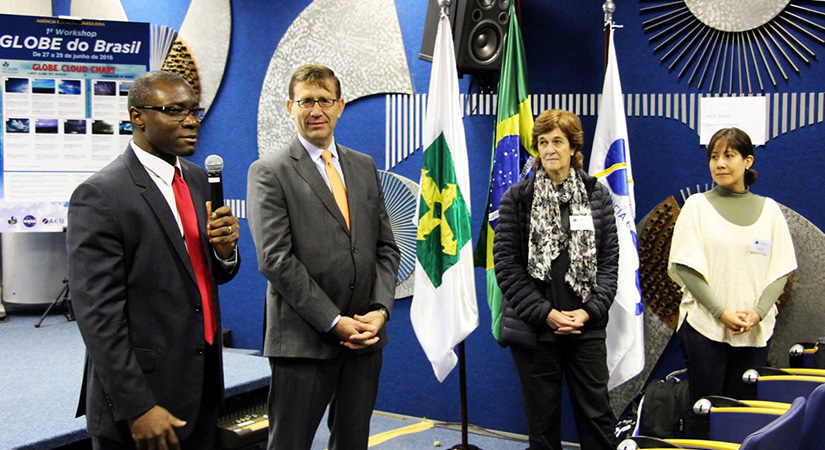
{"x": 569, "y": 124}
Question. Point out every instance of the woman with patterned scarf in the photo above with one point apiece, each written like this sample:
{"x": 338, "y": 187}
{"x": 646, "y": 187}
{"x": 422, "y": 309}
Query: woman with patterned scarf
{"x": 556, "y": 259}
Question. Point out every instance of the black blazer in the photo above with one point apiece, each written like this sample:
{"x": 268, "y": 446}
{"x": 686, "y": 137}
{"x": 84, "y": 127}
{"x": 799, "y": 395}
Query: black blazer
{"x": 136, "y": 298}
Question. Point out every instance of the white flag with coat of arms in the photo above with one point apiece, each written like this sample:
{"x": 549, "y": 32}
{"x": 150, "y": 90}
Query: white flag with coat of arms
{"x": 444, "y": 309}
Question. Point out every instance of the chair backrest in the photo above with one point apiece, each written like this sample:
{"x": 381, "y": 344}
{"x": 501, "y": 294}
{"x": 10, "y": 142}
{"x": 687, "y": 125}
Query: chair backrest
{"x": 736, "y": 423}
{"x": 785, "y": 388}
{"x": 812, "y": 436}
{"x": 782, "y": 433}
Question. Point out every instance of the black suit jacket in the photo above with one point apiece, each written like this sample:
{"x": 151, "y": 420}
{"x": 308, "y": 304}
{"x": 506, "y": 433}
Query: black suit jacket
{"x": 136, "y": 298}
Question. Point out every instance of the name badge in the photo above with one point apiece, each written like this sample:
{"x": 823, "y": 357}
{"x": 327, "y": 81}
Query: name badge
{"x": 581, "y": 223}
{"x": 761, "y": 246}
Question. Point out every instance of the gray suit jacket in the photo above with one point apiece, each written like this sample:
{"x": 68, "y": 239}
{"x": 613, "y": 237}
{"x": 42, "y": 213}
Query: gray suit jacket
{"x": 316, "y": 268}
{"x": 136, "y": 298}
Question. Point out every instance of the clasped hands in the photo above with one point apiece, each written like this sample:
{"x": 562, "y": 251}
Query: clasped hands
{"x": 359, "y": 332}
{"x": 567, "y": 322}
{"x": 740, "y": 321}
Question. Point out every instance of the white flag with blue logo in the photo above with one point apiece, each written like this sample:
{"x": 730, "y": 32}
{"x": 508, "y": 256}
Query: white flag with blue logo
{"x": 610, "y": 162}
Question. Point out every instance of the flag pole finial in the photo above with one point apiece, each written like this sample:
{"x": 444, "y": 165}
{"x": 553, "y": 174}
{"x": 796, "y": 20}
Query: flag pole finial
{"x": 445, "y": 6}
{"x": 609, "y": 7}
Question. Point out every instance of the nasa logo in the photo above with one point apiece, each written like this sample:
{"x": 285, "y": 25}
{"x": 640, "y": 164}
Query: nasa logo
{"x": 30, "y": 221}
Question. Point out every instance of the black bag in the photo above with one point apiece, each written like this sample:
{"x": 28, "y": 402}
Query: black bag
{"x": 627, "y": 423}
{"x": 665, "y": 407}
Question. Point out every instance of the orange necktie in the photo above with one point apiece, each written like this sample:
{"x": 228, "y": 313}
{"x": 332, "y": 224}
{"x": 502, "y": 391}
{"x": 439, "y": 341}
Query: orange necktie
{"x": 191, "y": 234}
{"x": 336, "y": 185}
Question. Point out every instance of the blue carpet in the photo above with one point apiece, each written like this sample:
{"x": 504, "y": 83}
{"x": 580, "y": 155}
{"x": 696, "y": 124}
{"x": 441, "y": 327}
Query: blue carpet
{"x": 42, "y": 369}
{"x": 39, "y": 366}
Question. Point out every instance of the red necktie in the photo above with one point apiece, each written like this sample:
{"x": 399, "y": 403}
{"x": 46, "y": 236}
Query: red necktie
{"x": 191, "y": 234}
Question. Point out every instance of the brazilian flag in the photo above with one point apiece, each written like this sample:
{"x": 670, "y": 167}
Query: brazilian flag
{"x": 511, "y": 157}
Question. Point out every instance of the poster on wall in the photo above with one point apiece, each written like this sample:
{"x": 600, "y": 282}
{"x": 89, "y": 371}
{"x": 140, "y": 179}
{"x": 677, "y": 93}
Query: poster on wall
{"x": 63, "y": 91}
{"x": 749, "y": 114}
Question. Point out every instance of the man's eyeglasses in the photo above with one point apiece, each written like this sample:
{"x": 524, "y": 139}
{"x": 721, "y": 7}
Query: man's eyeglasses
{"x": 178, "y": 114}
{"x": 308, "y": 103}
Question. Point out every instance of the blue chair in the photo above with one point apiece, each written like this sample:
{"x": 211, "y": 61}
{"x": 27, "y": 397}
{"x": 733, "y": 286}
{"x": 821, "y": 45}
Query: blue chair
{"x": 782, "y": 433}
{"x": 731, "y": 420}
{"x": 812, "y": 436}
{"x": 780, "y": 385}
{"x": 802, "y": 354}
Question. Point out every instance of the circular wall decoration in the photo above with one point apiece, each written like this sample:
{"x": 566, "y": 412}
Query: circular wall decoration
{"x": 400, "y": 197}
{"x": 735, "y": 15}
{"x": 735, "y": 46}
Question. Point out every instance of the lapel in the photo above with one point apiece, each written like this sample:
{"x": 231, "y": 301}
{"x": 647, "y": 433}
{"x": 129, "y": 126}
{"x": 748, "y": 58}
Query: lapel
{"x": 157, "y": 203}
{"x": 309, "y": 172}
{"x": 196, "y": 189}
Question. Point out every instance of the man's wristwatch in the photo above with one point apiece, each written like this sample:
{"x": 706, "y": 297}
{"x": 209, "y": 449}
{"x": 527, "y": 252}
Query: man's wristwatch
{"x": 384, "y": 312}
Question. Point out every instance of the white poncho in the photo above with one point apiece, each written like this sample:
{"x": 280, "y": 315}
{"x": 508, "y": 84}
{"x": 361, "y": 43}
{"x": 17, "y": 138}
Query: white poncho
{"x": 738, "y": 262}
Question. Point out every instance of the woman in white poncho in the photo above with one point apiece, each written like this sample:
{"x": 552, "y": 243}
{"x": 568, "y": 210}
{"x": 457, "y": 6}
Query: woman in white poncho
{"x": 731, "y": 253}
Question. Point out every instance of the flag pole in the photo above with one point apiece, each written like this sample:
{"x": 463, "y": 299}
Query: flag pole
{"x": 462, "y": 380}
{"x": 609, "y": 7}
{"x": 444, "y": 5}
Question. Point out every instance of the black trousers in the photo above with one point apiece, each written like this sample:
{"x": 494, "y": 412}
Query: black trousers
{"x": 203, "y": 437}
{"x": 301, "y": 389}
{"x": 716, "y": 368}
{"x": 584, "y": 364}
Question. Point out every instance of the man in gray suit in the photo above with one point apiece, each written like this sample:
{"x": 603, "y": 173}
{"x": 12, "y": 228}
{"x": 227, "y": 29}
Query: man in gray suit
{"x": 326, "y": 248}
{"x": 145, "y": 259}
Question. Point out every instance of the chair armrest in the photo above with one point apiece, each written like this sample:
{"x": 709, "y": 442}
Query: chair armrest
{"x": 766, "y": 404}
{"x": 805, "y": 371}
{"x": 644, "y": 442}
{"x": 704, "y": 444}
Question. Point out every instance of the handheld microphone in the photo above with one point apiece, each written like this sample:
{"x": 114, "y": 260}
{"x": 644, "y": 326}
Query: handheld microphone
{"x": 214, "y": 166}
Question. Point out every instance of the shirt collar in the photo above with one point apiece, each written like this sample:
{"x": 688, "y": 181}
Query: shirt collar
{"x": 157, "y": 166}
{"x": 315, "y": 152}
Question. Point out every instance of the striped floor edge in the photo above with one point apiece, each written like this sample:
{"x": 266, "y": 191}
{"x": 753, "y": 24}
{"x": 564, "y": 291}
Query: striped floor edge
{"x": 419, "y": 425}
{"x": 409, "y": 429}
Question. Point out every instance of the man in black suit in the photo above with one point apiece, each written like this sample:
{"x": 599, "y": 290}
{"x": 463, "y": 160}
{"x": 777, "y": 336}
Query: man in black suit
{"x": 145, "y": 257}
{"x": 326, "y": 248}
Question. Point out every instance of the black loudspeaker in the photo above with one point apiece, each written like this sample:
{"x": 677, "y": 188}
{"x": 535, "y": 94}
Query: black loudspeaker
{"x": 478, "y": 27}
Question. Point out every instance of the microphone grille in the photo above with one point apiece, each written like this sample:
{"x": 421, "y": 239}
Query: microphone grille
{"x": 213, "y": 163}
